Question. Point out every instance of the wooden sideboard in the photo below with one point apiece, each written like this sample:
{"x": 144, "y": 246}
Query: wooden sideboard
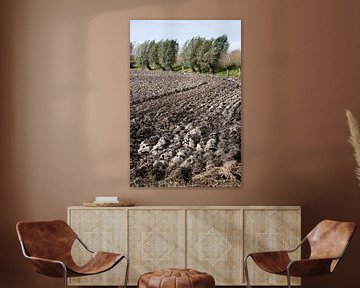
{"x": 213, "y": 239}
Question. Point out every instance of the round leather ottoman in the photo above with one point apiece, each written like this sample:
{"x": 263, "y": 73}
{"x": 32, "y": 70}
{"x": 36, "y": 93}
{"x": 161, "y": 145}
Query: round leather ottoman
{"x": 176, "y": 278}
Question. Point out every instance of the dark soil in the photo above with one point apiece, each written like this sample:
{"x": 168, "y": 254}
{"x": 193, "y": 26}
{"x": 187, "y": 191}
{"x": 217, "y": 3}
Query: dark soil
{"x": 185, "y": 130}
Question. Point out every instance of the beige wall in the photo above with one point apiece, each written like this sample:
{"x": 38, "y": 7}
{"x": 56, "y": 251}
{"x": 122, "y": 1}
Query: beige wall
{"x": 64, "y": 112}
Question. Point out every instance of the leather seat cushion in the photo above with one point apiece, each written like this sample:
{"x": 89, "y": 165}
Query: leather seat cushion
{"x": 176, "y": 278}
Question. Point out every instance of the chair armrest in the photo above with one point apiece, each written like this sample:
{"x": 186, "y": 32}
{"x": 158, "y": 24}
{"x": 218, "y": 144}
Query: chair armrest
{"x": 309, "y": 267}
{"x": 298, "y": 246}
{"x": 83, "y": 244}
{"x": 48, "y": 267}
{"x": 45, "y": 260}
{"x": 281, "y": 251}
{"x": 268, "y": 253}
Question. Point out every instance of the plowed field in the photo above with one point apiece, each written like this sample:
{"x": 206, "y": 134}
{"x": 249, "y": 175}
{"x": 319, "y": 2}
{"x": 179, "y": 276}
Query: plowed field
{"x": 185, "y": 130}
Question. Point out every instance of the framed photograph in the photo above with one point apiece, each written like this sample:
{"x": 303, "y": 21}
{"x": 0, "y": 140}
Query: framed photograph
{"x": 185, "y": 103}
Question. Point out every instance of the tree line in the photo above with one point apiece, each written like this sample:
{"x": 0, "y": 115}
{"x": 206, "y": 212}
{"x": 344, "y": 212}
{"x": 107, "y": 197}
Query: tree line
{"x": 153, "y": 55}
{"x": 198, "y": 54}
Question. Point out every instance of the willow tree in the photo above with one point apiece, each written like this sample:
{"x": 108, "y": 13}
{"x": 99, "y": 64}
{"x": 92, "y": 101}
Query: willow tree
{"x": 167, "y": 51}
{"x": 189, "y": 52}
{"x": 142, "y": 54}
{"x": 204, "y": 54}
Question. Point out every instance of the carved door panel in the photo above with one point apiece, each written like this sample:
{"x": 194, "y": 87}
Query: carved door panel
{"x": 101, "y": 230}
{"x": 156, "y": 240}
{"x": 214, "y": 244}
{"x": 271, "y": 230}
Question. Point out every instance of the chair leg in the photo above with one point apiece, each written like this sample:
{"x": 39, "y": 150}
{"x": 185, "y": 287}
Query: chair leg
{"x": 65, "y": 276}
{"x": 127, "y": 271}
{"x": 246, "y": 270}
{"x": 288, "y": 278}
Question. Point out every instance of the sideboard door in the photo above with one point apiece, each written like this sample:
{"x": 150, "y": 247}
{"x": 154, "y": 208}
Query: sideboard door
{"x": 101, "y": 230}
{"x": 214, "y": 244}
{"x": 156, "y": 240}
{"x": 271, "y": 230}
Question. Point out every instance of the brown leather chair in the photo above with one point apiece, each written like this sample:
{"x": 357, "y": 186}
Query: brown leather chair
{"x": 328, "y": 242}
{"x": 48, "y": 245}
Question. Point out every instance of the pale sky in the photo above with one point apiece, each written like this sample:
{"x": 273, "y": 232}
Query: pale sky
{"x": 182, "y": 30}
